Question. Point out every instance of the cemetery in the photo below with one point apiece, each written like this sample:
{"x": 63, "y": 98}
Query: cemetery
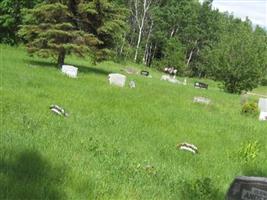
{"x": 110, "y": 129}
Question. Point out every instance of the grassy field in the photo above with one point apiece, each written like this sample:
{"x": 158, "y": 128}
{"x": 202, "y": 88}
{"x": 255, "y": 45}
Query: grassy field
{"x": 118, "y": 143}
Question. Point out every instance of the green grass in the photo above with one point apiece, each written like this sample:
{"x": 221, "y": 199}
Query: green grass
{"x": 103, "y": 149}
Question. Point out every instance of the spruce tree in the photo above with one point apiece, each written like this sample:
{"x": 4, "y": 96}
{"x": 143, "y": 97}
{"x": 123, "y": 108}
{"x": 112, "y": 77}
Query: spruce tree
{"x": 58, "y": 28}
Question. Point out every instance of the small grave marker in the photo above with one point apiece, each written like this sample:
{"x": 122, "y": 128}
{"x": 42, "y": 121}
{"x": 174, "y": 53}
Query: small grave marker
{"x": 69, "y": 70}
{"x": 248, "y": 188}
{"x": 132, "y": 84}
{"x": 201, "y": 100}
{"x": 117, "y": 79}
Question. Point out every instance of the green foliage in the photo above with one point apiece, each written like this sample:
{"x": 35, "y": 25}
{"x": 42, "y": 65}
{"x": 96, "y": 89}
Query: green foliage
{"x": 249, "y": 152}
{"x": 250, "y": 108}
{"x": 57, "y": 30}
{"x": 264, "y": 82}
{"x": 239, "y": 59}
{"x": 49, "y": 32}
{"x": 173, "y": 56}
{"x": 11, "y": 18}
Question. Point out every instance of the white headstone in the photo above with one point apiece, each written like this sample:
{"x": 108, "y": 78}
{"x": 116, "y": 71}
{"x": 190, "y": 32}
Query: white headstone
{"x": 263, "y": 104}
{"x": 117, "y": 79}
{"x": 69, "y": 70}
{"x": 263, "y": 116}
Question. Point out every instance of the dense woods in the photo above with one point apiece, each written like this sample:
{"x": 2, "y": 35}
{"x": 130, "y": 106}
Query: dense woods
{"x": 185, "y": 34}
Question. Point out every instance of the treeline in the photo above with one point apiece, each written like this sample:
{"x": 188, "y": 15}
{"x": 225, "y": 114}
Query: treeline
{"x": 192, "y": 37}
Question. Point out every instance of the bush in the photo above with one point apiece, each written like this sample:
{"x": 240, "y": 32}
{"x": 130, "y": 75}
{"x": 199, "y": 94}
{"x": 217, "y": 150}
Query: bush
{"x": 250, "y": 108}
{"x": 264, "y": 82}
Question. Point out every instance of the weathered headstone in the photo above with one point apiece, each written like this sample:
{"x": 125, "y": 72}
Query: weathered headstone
{"x": 117, "y": 79}
{"x": 248, "y": 188}
{"x": 171, "y": 79}
{"x": 130, "y": 70}
{"x": 201, "y": 100}
{"x": 263, "y": 109}
{"x": 69, "y": 70}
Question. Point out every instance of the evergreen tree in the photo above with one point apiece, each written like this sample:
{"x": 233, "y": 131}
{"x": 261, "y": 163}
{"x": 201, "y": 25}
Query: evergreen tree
{"x": 72, "y": 26}
{"x": 11, "y": 17}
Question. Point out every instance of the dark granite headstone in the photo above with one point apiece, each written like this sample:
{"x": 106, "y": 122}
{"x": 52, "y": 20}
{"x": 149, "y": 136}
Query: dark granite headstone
{"x": 248, "y": 188}
{"x": 144, "y": 73}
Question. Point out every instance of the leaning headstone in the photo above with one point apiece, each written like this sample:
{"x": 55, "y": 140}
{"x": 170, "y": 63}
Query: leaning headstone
{"x": 201, "y": 100}
{"x": 117, "y": 79}
{"x": 69, "y": 70}
{"x": 248, "y": 188}
{"x": 187, "y": 147}
{"x": 58, "y": 110}
{"x": 263, "y": 109}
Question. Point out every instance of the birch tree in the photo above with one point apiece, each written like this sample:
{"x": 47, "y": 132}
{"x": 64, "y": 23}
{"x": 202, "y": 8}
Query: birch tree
{"x": 140, "y": 11}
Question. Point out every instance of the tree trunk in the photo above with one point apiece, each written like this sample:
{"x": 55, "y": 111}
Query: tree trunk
{"x": 146, "y": 5}
{"x": 190, "y": 57}
{"x": 147, "y": 41}
{"x": 61, "y": 58}
{"x": 138, "y": 42}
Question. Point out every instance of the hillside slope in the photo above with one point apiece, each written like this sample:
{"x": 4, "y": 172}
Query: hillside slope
{"x": 117, "y": 143}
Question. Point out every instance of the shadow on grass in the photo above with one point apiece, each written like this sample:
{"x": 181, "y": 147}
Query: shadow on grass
{"x": 94, "y": 70}
{"x": 28, "y": 175}
{"x": 83, "y": 69}
{"x": 254, "y": 171}
{"x": 41, "y": 63}
{"x": 201, "y": 189}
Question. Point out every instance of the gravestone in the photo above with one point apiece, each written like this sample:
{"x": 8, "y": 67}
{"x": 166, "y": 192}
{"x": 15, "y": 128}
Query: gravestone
{"x": 130, "y": 70}
{"x": 248, "y": 188}
{"x": 132, "y": 84}
{"x": 263, "y": 109}
{"x": 117, "y": 79}
{"x": 201, "y": 85}
{"x": 201, "y": 100}
{"x": 69, "y": 70}
{"x": 144, "y": 73}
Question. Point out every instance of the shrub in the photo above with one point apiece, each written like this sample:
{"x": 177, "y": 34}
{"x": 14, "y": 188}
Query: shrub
{"x": 250, "y": 108}
{"x": 264, "y": 82}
